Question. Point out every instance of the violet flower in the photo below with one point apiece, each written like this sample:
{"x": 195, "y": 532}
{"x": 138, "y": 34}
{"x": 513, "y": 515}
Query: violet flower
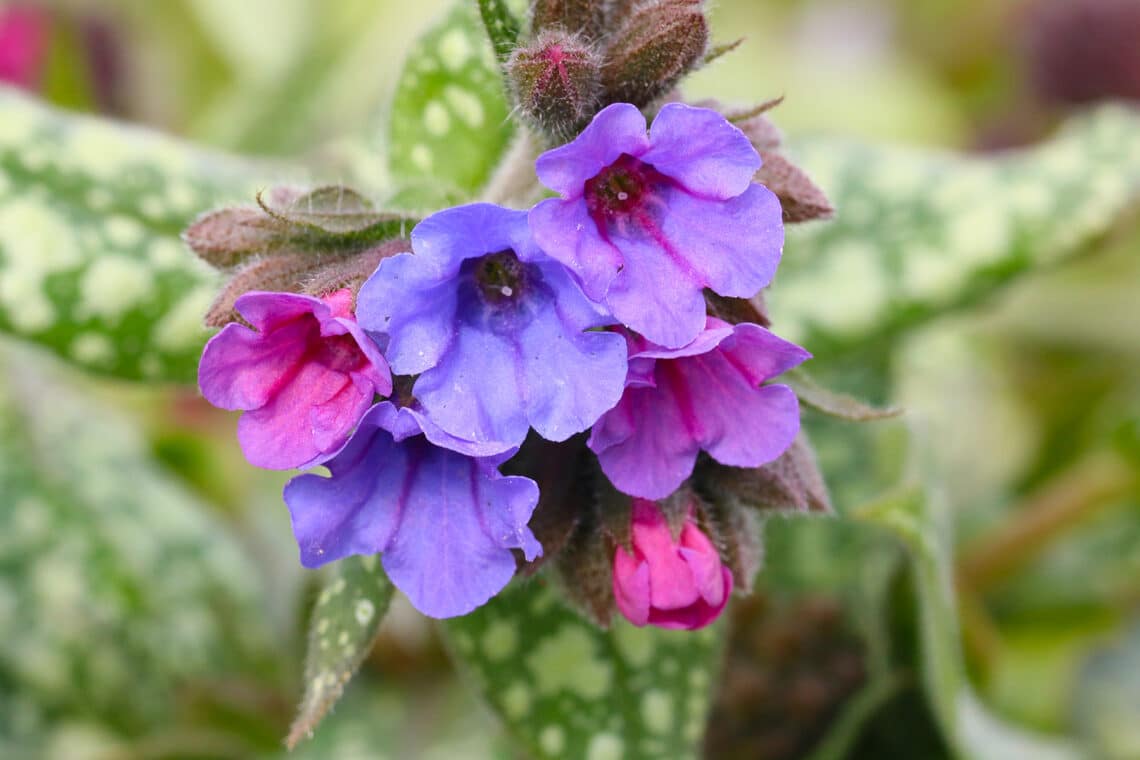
{"x": 648, "y": 221}
{"x": 667, "y": 582}
{"x": 498, "y": 333}
{"x": 705, "y": 396}
{"x": 444, "y": 523}
{"x": 304, "y": 375}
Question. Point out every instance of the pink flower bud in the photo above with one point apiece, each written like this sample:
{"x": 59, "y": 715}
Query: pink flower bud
{"x": 666, "y": 582}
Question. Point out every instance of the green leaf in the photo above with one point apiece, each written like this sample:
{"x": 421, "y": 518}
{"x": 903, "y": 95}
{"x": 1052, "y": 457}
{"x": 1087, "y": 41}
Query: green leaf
{"x": 337, "y": 216}
{"x": 119, "y": 591}
{"x": 916, "y": 516}
{"x": 343, "y": 627}
{"x": 565, "y": 688}
{"x": 501, "y": 25}
{"x": 91, "y": 264}
{"x": 919, "y": 233}
{"x": 449, "y": 116}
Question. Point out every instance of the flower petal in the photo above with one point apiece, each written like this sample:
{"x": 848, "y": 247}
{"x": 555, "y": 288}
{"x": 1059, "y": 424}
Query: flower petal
{"x": 696, "y": 615}
{"x": 331, "y": 421}
{"x": 761, "y": 353}
{"x": 565, "y": 231}
{"x": 702, "y": 150}
{"x": 267, "y": 311}
{"x": 280, "y": 435}
{"x": 475, "y": 392}
{"x": 734, "y": 245}
{"x": 570, "y": 377}
{"x": 757, "y": 429}
{"x": 377, "y": 371}
{"x": 406, "y": 300}
{"x": 444, "y": 523}
{"x": 354, "y": 511}
{"x": 445, "y": 557}
{"x": 445, "y": 239}
{"x": 242, "y": 369}
{"x": 715, "y": 333}
{"x": 644, "y": 445}
{"x": 657, "y": 294}
{"x": 617, "y": 129}
{"x": 631, "y": 587}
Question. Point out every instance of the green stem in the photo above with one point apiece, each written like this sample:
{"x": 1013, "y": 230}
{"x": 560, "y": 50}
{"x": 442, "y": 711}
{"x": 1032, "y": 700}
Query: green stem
{"x": 1097, "y": 481}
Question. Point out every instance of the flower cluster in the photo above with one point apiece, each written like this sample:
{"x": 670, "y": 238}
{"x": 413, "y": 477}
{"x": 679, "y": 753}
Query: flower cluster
{"x": 584, "y": 319}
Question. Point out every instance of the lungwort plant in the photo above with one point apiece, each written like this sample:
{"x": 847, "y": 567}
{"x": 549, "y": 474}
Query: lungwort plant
{"x": 567, "y": 372}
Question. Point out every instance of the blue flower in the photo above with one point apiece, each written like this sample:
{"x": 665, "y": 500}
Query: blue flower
{"x": 443, "y": 522}
{"x": 499, "y": 334}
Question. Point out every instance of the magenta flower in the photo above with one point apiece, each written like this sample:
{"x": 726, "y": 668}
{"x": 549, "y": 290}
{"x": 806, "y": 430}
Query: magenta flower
{"x": 303, "y": 376}
{"x": 23, "y": 45}
{"x": 648, "y": 221}
{"x": 498, "y": 333}
{"x": 707, "y": 396}
{"x": 665, "y": 582}
{"x": 444, "y": 523}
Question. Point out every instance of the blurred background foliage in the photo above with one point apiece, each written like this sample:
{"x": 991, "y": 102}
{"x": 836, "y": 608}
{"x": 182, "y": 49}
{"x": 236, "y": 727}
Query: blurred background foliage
{"x": 151, "y": 605}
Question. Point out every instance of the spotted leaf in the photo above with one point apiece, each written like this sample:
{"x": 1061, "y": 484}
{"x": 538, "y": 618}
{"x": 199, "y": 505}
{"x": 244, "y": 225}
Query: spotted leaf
{"x": 91, "y": 264}
{"x": 120, "y": 593}
{"x": 342, "y": 630}
{"x": 919, "y": 233}
{"x": 449, "y": 117}
{"x": 565, "y": 688}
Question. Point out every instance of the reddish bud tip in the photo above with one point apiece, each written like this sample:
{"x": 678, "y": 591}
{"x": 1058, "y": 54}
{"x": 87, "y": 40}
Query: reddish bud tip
{"x": 556, "y": 83}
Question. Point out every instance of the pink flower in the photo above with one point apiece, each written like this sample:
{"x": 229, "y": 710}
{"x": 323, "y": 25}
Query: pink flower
{"x": 704, "y": 396}
{"x": 23, "y": 45}
{"x": 669, "y": 583}
{"x": 304, "y": 376}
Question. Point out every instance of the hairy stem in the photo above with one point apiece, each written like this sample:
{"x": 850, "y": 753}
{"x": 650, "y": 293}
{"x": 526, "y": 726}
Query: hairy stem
{"x": 514, "y": 182}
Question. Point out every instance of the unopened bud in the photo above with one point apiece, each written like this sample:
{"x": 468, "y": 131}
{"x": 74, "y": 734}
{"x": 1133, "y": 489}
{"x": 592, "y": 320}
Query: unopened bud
{"x": 349, "y": 273}
{"x": 556, "y": 83}
{"x": 800, "y": 198}
{"x": 737, "y": 310}
{"x": 735, "y": 531}
{"x": 669, "y": 581}
{"x": 575, "y": 16}
{"x": 659, "y": 43}
{"x": 314, "y": 242}
{"x": 229, "y": 236}
{"x": 280, "y": 273}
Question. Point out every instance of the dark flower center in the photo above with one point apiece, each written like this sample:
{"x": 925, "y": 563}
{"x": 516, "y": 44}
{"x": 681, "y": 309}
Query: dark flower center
{"x": 621, "y": 188}
{"x": 337, "y": 352}
{"x": 501, "y": 278}
{"x": 402, "y": 395}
